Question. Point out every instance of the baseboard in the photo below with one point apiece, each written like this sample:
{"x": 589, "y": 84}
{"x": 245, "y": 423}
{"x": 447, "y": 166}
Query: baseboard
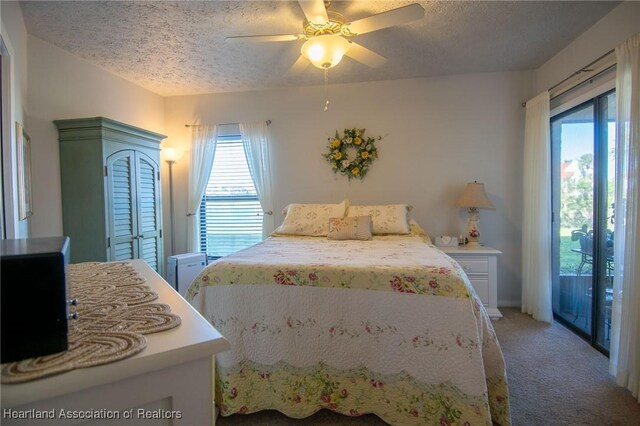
{"x": 509, "y": 304}
{"x": 494, "y": 313}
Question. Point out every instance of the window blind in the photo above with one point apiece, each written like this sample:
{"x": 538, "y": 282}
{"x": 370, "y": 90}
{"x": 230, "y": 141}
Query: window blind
{"x": 230, "y": 213}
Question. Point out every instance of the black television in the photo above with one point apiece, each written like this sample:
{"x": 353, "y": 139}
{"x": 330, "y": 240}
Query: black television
{"x": 34, "y": 308}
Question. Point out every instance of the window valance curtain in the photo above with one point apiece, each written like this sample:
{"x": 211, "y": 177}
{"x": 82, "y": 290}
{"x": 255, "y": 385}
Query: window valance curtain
{"x": 536, "y": 220}
{"x": 255, "y": 138}
{"x": 203, "y": 149}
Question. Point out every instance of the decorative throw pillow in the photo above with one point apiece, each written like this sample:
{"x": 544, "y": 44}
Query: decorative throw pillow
{"x": 310, "y": 219}
{"x": 387, "y": 219}
{"x": 350, "y": 228}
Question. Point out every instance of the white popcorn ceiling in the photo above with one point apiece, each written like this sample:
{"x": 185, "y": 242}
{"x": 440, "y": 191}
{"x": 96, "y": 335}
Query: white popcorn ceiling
{"x": 178, "y": 48}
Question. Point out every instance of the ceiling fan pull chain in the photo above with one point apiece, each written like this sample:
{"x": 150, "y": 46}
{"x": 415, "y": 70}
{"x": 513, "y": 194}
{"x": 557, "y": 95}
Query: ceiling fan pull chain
{"x": 326, "y": 89}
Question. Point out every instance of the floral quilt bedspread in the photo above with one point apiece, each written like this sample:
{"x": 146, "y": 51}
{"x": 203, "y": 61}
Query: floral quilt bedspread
{"x": 389, "y": 326}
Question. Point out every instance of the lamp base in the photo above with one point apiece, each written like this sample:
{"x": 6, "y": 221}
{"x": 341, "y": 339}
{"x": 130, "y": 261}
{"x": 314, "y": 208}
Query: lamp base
{"x": 473, "y": 232}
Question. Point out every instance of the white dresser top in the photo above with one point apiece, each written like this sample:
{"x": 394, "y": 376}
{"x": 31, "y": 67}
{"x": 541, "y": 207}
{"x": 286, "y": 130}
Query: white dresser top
{"x": 195, "y": 338}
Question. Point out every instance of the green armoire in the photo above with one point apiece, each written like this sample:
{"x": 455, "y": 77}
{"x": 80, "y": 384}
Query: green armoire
{"x": 110, "y": 178}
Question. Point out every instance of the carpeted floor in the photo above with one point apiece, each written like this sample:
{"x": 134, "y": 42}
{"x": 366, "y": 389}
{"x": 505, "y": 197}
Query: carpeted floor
{"x": 555, "y": 378}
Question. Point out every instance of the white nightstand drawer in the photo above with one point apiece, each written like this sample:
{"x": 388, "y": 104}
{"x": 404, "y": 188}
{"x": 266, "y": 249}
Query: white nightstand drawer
{"x": 480, "y": 263}
{"x": 474, "y": 265}
{"x": 481, "y": 287}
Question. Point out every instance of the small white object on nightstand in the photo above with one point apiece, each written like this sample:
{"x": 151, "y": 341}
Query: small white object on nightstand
{"x": 481, "y": 266}
{"x": 446, "y": 241}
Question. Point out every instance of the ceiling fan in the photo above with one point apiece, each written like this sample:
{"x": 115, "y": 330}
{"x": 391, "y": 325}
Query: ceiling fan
{"x": 327, "y": 34}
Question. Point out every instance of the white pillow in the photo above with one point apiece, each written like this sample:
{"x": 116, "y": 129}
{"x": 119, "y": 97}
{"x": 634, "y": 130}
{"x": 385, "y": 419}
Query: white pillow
{"x": 310, "y": 219}
{"x": 387, "y": 218}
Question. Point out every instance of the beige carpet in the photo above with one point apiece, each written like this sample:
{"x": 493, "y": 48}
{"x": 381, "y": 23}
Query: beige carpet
{"x": 555, "y": 378}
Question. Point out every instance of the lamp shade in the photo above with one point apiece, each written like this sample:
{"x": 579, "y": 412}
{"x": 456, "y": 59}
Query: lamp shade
{"x": 474, "y": 196}
{"x": 171, "y": 154}
{"x": 325, "y": 51}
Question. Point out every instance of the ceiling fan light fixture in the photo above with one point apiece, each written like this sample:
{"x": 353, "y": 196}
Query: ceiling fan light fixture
{"x": 325, "y": 51}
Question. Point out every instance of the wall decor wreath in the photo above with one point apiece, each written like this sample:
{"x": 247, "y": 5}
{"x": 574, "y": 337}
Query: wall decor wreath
{"x": 355, "y": 143}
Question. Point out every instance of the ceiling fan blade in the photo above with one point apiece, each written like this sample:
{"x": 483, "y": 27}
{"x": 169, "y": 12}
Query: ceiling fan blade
{"x": 386, "y": 19}
{"x": 314, "y": 10}
{"x": 299, "y": 66}
{"x": 364, "y": 55}
{"x": 263, "y": 38}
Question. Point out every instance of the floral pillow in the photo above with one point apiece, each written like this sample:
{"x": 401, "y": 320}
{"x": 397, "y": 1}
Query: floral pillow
{"x": 310, "y": 219}
{"x": 387, "y": 219}
{"x": 350, "y": 228}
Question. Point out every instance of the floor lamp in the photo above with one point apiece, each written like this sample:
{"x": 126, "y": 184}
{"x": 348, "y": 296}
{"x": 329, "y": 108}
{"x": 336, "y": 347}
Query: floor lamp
{"x": 171, "y": 155}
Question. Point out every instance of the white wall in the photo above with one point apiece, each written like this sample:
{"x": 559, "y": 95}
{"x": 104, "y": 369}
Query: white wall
{"x": 14, "y": 36}
{"x": 616, "y": 27}
{"x": 438, "y": 134}
{"x": 62, "y": 86}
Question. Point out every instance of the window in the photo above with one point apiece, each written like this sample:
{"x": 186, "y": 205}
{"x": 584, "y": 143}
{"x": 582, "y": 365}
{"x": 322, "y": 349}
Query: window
{"x": 230, "y": 213}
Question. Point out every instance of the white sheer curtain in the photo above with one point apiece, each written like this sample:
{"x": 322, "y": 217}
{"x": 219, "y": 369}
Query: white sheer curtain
{"x": 624, "y": 362}
{"x": 203, "y": 149}
{"x": 255, "y": 138}
{"x": 536, "y": 220}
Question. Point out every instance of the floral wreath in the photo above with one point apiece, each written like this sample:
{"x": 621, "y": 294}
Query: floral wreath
{"x": 366, "y": 152}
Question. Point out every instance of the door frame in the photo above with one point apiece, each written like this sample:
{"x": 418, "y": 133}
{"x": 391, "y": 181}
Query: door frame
{"x": 8, "y": 181}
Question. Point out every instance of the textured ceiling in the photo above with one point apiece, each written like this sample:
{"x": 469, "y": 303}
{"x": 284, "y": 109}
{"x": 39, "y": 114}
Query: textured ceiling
{"x": 178, "y": 48}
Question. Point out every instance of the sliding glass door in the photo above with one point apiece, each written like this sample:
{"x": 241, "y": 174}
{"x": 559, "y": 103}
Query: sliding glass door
{"x": 583, "y": 180}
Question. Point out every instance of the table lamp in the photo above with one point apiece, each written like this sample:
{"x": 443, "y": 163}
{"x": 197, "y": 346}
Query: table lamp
{"x": 474, "y": 198}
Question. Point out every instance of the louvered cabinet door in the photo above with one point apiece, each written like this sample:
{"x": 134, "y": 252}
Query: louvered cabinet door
{"x": 149, "y": 214}
{"x": 122, "y": 207}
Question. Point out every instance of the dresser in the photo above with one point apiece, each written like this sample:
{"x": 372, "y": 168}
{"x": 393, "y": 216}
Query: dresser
{"x": 481, "y": 266}
{"x": 110, "y": 179}
{"x": 169, "y": 383}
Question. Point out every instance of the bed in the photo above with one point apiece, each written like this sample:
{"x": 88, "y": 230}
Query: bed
{"x": 389, "y": 326}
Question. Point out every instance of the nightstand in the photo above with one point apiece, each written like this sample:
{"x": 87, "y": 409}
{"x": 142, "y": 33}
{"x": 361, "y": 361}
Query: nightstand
{"x": 480, "y": 264}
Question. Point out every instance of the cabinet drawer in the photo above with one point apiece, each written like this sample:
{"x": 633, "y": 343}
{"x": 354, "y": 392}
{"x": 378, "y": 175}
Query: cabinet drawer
{"x": 474, "y": 265}
{"x": 481, "y": 287}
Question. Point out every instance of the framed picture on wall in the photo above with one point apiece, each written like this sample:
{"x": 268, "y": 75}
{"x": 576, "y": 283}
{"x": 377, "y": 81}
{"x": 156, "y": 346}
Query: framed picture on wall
{"x": 23, "y": 149}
